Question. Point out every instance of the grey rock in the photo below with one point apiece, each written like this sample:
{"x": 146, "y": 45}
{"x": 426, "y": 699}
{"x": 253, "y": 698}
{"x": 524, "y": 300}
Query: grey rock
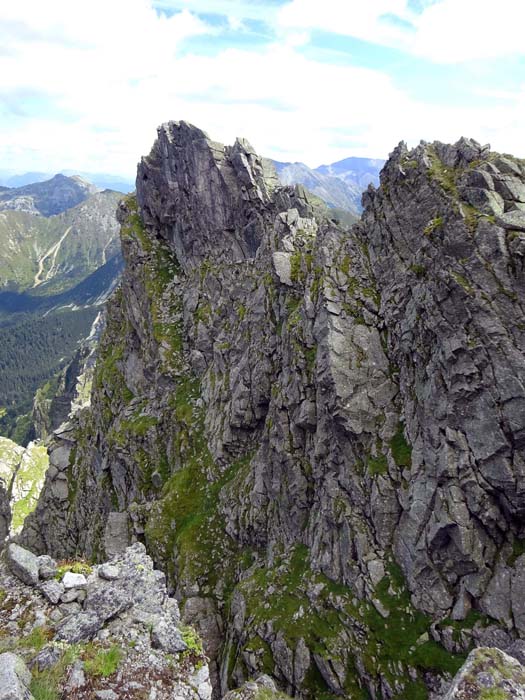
{"x": 53, "y": 590}
{"x": 517, "y": 593}
{"x": 513, "y": 220}
{"x": 77, "y": 677}
{"x": 15, "y": 678}
{"x": 116, "y": 537}
{"x": 55, "y": 615}
{"x": 107, "y": 602}
{"x": 47, "y": 567}
{"x": 488, "y": 668}
{"x": 283, "y": 267}
{"x": 72, "y": 594}
{"x": 80, "y": 627}
{"x": 109, "y": 572}
{"x": 167, "y": 637}
{"x": 106, "y": 694}
{"x": 47, "y": 657}
{"x": 5, "y": 515}
{"x": 23, "y": 564}
{"x": 517, "y": 650}
{"x": 69, "y": 608}
{"x": 71, "y": 580}
{"x": 201, "y": 681}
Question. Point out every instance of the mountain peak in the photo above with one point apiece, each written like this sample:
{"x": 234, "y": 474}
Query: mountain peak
{"x": 206, "y": 187}
{"x": 49, "y": 197}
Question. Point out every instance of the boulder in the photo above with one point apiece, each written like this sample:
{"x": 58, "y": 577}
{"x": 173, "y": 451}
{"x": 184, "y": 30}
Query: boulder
{"x": 488, "y": 673}
{"x": 53, "y": 590}
{"x": 79, "y": 628}
{"x": 47, "y": 567}
{"x": 71, "y": 580}
{"x": 109, "y": 572}
{"x": 167, "y": 637}
{"x": 23, "y": 563}
{"x": 107, "y": 602}
{"x": 15, "y": 678}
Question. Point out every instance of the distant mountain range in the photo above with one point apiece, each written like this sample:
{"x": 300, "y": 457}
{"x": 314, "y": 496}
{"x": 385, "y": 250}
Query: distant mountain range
{"x": 102, "y": 181}
{"x": 339, "y": 184}
{"x": 46, "y": 198}
{"x": 60, "y": 258}
{"x": 54, "y": 234}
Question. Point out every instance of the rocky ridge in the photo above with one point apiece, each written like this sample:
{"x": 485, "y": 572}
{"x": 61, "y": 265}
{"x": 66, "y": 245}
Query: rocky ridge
{"x": 316, "y": 432}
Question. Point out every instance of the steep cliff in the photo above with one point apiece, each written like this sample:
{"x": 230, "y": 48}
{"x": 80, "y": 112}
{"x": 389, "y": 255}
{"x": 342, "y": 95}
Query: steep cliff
{"x": 316, "y": 431}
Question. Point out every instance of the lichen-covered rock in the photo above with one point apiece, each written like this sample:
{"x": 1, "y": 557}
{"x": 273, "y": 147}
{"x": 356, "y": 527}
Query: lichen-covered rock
{"x": 23, "y": 563}
{"x": 316, "y": 431}
{"x": 15, "y": 678}
{"x": 488, "y": 674}
{"x": 53, "y": 590}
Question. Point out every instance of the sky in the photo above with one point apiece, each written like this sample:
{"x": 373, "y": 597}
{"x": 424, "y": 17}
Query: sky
{"x": 84, "y": 85}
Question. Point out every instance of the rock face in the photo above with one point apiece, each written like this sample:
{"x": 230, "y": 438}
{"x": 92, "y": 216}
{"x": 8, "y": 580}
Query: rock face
{"x": 316, "y": 432}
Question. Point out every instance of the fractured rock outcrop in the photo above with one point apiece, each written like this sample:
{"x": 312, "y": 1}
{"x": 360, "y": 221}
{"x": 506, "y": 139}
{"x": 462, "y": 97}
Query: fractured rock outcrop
{"x": 117, "y": 617}
{"x": 316, "y": 431}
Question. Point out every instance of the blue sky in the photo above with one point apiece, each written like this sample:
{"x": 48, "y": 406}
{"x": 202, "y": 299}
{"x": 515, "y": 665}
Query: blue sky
{"x": 84, "y": 85}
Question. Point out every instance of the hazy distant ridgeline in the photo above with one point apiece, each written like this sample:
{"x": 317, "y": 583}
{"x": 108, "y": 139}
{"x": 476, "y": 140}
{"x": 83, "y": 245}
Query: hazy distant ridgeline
{"x": 103, "y": 181}
{"x": 339, "y": 184}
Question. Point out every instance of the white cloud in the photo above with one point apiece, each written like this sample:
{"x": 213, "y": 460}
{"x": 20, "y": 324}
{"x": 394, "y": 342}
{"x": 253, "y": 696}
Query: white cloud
{"x": 452, "y": 31}
{"x": 358, "y": 19}
{"x": 445, "y": 31}
{"x": 106, "y": 78}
